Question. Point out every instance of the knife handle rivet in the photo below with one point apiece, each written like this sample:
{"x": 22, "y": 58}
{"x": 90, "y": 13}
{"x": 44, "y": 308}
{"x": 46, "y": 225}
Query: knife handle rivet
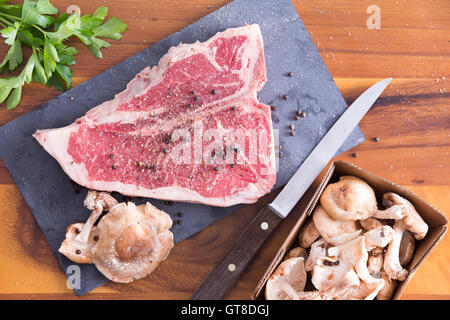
{"x": 264, "y": 225}
{"x": 231, "y": 267}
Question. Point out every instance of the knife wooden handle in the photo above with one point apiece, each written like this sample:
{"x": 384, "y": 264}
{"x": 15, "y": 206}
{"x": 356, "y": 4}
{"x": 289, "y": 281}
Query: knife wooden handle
{"x": 228, "y": 271}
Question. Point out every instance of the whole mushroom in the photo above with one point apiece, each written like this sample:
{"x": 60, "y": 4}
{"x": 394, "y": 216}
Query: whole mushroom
{"x": 353, "y": 199}
{"x": 133, "y": 241}
{"x": 413, "y": 221}
{"x": 80, "y": 237}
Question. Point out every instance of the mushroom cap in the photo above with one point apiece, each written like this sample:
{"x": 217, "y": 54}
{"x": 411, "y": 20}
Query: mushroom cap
{"x": 287, "y": 281}
{"x": 329, "y": 227}
{"x": 378, "y": 237}
{"x": 413, "y": 221}
{"x": 344, "y": 238}
{"x": 349, "y": 199}
{"x": 355, "y": 253}
{"x": 370, "y": 223}
{"x": 76, "y": 250}
{"x": 308, "y": 234}
{"x": 334, "y": 273}
{"x": 407, "y": 246}
{"x": 133, "y": 240}
{"x": 297, "y": 252}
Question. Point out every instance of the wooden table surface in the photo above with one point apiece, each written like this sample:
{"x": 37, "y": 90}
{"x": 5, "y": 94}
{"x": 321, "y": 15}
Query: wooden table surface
{"x": 411, "y": 119}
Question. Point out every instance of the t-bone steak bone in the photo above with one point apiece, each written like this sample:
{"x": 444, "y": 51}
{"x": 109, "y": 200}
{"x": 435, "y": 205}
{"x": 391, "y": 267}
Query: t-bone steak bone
{"x": 189, "y": 129}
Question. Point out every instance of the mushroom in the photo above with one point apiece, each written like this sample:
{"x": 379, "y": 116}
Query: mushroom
{"x": 388, "y": 289}
{"x": 413, "y": 222}
{"x": 133, "y": 240}
{"x": 356, "y": 254}
{"x": 329, "y": 227}
{"x": 318, "y": 250}
{"x": 344, "y": 238}
{"x": 375, "y": 261}
{"x": 370, "y": 223}
{"x": 79, "y": 241}
{"x": 335, "y": 273}
{"x": 353, "y": 199}
{"x": 378, "y": 237}
{"x": 391, "y": 263}
{"x": 297, "y": 252}
{"x": 406, "y": 248}
{"x": 361, "y": 292}
{"x": 308, "y": 234}
{"x": 75, "y": 250}
{"x": 287, "y": 281}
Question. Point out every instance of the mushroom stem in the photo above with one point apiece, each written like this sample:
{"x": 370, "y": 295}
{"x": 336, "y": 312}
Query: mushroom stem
{"x": 394, "y": 212}
{"x": 391, "y": 263}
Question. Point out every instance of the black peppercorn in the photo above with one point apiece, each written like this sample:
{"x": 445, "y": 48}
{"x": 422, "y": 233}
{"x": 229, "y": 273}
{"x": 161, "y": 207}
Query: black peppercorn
{"x": 213, "y": 91}
{"x": 354, "y": 155}
{"x": 114, "y": 167}
{"x": 376, "y": 139}
{"x": 195, "y": 98}
{"x": 290, "y": 74}
{"x": 233, "y": 108}
{"x": 285, "y": 97}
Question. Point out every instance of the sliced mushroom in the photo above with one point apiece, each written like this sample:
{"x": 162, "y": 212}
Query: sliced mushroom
{"x": 378, "y": 237}
{"x": 77, "y": 245}
{"x": 318, "y": 250}
{"x": 353, "y": 199}
{"x": 375, "y": 261}
{"x": 133, "y": 240}
{"x": 406, "y": 248}
{"x": 287, "y": 281}
{"x": 413, "y": 221}
{"x": 391, "y": 263}
{"x": 388, "y": 290}
{"x": 308, "y": 234}
{"x": 297, "y": 252}
{"x": 329, "y": 227}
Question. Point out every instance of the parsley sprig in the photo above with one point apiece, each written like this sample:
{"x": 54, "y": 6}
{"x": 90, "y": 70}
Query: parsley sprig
{"x": 34, "y": 24}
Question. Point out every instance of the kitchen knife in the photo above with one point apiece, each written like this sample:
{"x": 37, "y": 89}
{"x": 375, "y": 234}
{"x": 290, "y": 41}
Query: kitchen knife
{"x": 227, "y": 272}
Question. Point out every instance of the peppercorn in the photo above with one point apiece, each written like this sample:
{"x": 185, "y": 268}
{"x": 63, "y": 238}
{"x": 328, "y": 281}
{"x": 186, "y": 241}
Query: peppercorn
{"x": 114, "y": 167}
{"x": 213, "y": 91}
{"x": 354, "y": 155}
{"x": 285, "y": 97}
{"x": 303, "y": 114}
{"x": 376, "y": 139}
{"x": 290, "y": 74}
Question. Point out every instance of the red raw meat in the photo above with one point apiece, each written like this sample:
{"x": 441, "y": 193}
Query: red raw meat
{"x": 189, "y": 129}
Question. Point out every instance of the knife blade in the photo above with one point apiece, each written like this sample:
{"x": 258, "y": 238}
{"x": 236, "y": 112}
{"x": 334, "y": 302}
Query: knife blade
{"x": 227, "y": 272}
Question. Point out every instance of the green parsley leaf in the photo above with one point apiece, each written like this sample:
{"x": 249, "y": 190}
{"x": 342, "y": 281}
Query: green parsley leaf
{"x": 34, "y": 24}
{"x": 36, "y": 12}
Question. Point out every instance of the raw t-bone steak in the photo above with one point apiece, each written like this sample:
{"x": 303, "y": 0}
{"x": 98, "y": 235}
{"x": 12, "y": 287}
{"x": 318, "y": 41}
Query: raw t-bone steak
{"x": 189, "y": 129}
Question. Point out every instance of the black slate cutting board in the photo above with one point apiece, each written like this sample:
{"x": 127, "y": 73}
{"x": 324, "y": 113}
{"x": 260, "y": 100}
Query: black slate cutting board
{"x": 56, "y": 203}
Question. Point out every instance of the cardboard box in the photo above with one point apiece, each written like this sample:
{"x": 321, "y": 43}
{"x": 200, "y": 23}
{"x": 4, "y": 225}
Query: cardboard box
{"x": 437, "y": 222}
